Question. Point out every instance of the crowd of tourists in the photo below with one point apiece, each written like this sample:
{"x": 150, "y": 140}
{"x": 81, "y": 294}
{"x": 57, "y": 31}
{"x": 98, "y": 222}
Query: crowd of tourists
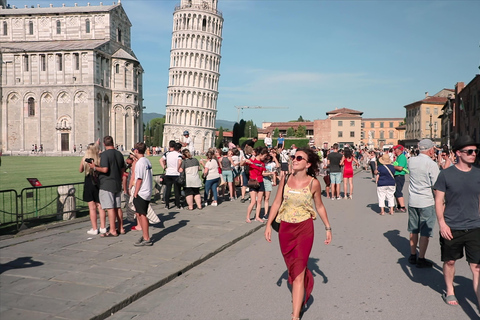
{"x": 444, "y": 186}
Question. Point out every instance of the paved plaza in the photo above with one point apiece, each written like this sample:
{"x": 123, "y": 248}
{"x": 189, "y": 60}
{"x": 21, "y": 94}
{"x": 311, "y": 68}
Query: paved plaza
{"x": 63, "y": 273}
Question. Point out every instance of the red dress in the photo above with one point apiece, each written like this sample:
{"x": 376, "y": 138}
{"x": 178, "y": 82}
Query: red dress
{"x": 348, "y": 168}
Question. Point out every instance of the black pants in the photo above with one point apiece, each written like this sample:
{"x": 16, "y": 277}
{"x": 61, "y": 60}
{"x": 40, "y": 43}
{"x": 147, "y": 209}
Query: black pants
{"x": 373, "y": 167}
{"x": 169, "y": 181}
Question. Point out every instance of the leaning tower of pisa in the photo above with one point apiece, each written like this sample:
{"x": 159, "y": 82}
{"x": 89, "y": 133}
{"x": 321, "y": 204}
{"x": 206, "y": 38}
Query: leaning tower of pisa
{"x": 194, "y": 73}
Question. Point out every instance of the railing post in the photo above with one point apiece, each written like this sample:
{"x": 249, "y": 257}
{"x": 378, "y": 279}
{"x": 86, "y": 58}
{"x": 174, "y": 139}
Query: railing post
{"x": 66, "y": 204}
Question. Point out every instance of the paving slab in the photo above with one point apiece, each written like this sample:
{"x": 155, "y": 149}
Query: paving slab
{"x": 64, "y": 273}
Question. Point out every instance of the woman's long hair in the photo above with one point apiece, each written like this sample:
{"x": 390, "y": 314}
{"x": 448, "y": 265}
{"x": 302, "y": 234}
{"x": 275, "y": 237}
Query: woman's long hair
{"x": 348, "y": 153}
{"x": 93, "y": 152}
{"x": 314, "y": 161}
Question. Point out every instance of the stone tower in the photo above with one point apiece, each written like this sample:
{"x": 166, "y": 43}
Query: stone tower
{"x": 194, "y": 73}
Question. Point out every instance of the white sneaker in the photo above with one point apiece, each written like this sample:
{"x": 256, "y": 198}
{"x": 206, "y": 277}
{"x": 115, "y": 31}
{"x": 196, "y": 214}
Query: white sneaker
{"x": 103, "y": 230}
{"x": 214, "y": 204}
{"x": 205, "y": 204}
{"x": 339, "y": 198}
{"x": 92, "y": 232}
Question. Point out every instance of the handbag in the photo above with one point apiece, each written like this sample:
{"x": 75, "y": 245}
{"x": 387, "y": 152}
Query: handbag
{"x": 275, "y": 224}
{"x": 181, "y": 180}
{"x": 253, "y": 184}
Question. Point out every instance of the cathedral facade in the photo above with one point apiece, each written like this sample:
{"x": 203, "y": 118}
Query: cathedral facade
{"x": 68, "y": 77}
{"x": 194, "y": 73}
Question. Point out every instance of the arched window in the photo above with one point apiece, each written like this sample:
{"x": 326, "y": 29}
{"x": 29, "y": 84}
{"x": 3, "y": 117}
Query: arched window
{"x": 117, "y": 68}
{"x": 31, "y": 107}
{"x": 119, "y": 35}
{"x": 87, "y": 26}
{"x": 30, "y": 27}
{"x": 5, "y": 28}
{"x": 204, "y": 24}
{"x": 59, "y": 27}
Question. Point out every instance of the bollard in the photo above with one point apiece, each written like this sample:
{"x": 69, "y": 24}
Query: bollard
{"x": 66, "y": 204}
{"x": 157, "y": 192}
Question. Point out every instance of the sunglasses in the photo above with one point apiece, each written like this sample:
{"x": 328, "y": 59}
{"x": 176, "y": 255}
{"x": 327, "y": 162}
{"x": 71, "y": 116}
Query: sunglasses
{"x": 298, "y": 158}
{"x": 470, "y": 151}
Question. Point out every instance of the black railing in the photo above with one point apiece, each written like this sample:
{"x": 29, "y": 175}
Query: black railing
{"x": 57, "y": 202}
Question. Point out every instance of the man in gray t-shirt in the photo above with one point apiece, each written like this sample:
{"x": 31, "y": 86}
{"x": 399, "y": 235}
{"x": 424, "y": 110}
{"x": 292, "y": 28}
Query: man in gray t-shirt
{"x": 111, "y": 169}
{"x": 334, "y": 159}
{"x": 421, "y": 206}
{"x": 457, "y": 204}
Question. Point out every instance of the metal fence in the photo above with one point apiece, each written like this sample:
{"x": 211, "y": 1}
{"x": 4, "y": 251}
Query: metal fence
{"x": 38, "y": 204}
{"x": 60, "y": 201}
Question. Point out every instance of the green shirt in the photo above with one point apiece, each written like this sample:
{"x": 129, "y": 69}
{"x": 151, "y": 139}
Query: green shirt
{"x": 401, "y": 162}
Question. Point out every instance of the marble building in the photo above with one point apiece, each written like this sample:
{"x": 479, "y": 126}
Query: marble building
{"x": 68, "y": 77}
{"x": 194, "y": 73}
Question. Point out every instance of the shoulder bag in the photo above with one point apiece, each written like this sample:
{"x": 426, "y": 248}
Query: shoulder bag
{"x": 275, "y": 224}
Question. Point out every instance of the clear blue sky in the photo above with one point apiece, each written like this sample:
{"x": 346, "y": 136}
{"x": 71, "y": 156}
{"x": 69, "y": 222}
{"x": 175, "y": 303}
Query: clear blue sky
{"x": 315, "y": 56}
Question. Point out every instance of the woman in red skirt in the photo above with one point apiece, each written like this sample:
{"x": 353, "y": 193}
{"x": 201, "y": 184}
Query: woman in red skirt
{"x": 294, "y": 210}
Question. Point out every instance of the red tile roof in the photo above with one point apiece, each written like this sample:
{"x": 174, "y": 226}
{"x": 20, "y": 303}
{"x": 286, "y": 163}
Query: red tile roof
{"x": 345, "y": 110}
{"x": 429, "y": 100}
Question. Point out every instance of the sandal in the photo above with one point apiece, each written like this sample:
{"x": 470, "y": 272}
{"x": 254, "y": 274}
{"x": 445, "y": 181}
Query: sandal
{"x": 108, "y": 235}
{"x": 449, "y": 299}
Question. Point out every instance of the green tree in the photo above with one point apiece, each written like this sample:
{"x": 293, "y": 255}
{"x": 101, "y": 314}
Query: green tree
{"x": 219, "y": 143}
{"x": 300, "y": 119}
{"x": 146, "y": 134}
{"x": 236, "y": 133}
{"x": 276, "y": 133}
{"x": 290, "y": 132}
{"x": 301, "y": 132}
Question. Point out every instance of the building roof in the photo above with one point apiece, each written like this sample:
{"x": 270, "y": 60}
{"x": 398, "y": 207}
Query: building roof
{"x": 226, "y": 134}
{"x": 39, "y": 46}
{"x": 382, "y": 119}
{"x": 428, "y": 100}
{"x": 345, "y": 110}
{"x": 286, "y": 125}
{"x": 345, "y": 116}
{"x": 56, "y": 10}
{"x": 122, "y": 54}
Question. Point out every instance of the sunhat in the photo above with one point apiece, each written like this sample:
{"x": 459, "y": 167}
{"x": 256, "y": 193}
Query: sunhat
{"x": 385, "y": 159}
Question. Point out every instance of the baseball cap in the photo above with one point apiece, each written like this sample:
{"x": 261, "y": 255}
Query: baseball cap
{"x": 185, "y": 133}
{"x": 224, "y": 149}
{"x": 399, "y": 146}
{"x": 425, "y": 144}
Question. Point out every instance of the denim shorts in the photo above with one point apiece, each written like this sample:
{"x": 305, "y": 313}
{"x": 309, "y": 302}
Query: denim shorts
{"x": 268, "y": 184}
{"x": 227, "y": 175}
{"x": 335, "y": 177}
{"x": 421, "y": 220}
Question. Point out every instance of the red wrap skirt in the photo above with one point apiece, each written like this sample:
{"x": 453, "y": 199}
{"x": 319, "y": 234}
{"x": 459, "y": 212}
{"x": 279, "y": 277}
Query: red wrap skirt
{"x": 296, "y": 241}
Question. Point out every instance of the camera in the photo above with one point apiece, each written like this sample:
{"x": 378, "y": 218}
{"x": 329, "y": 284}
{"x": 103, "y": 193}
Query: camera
{"x": 89, "y": 160}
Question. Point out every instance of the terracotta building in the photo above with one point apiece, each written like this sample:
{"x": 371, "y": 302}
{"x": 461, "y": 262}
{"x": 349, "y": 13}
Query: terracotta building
{"x": 381, "y": 132}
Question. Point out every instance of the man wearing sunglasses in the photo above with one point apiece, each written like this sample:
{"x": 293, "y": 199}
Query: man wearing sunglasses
{"x": 333, "y": 160}
{"x": 457, "y": 205}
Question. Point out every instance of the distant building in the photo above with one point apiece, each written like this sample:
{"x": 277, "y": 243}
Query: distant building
{"x": 422, "y": 118}
{"x": 194, "y": 73}
{"x": 68, "y": 77}
{"x": 381, "y": 132}
{"x": 467, "y": 105}
{"x": 345, "y": 127}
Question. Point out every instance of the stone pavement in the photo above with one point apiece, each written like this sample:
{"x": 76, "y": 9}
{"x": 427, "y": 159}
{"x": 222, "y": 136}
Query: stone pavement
{"x": 64, "y": 273}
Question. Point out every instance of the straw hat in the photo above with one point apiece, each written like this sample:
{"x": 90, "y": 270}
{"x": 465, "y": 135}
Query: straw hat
{"x": 385, "y": 159}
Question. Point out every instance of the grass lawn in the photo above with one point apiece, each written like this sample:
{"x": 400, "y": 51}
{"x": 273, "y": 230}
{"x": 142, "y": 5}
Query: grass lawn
{"x": 42, "y": 202}
{"x": 48, "y": 170}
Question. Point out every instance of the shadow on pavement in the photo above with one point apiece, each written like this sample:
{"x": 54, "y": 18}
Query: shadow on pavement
{"x": 159, "y": 235}
{"x": 20, "y": 263}
{"x": 374, "y": 207}
{"x": 433, "y": 277}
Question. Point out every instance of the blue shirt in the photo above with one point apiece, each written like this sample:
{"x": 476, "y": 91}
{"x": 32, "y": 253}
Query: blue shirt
{"x": 384, "y": 177}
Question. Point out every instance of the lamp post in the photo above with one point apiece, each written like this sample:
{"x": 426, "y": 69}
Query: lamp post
{"x": 249, "y": 131}
{"x": 431, "y": 125}
{"x": 448, "y": 112}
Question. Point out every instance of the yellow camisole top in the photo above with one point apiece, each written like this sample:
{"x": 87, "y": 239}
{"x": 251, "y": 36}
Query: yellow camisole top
{"x": 297, "y": 205}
